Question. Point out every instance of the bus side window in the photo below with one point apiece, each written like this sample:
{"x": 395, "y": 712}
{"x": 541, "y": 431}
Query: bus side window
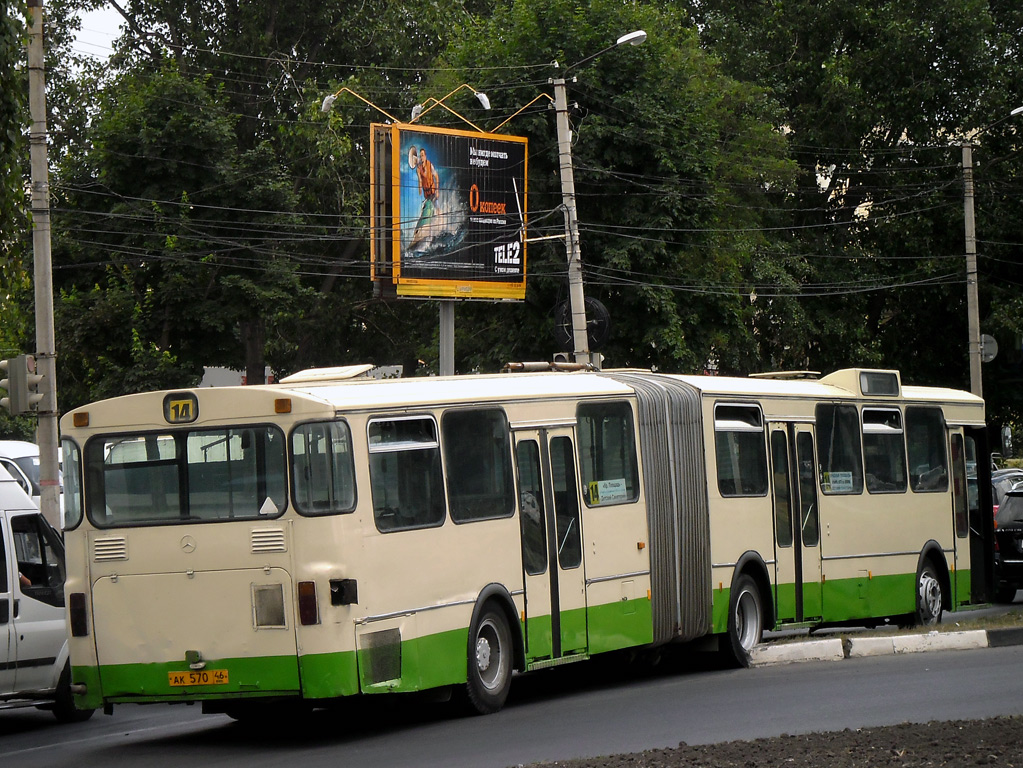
{"x": 884, "y": 450}
{"x": 607, "y": 453}
{"x": 928, "y": 459}
{"x": 839, "y": 457}
{"x": 405, "y": 473}
{"x": 741, "y": 450}
{"x": 323, "y": 470}
{"x": 477, "y": 461}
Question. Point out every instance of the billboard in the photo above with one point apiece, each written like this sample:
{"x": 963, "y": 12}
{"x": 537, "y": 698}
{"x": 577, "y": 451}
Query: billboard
{"x": 448, "y": 212}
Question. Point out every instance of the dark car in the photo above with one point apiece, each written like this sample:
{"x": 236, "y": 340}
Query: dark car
{"x": 1009, "y": 546}
{"x": 1003, "y": 481}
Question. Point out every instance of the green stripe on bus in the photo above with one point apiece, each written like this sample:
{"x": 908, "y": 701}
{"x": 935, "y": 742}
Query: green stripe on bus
{"x": 423, "y": 662}
{"x": 620, "y": 625}
{"x": 859, "y": 597}
{"x": 964, "y": 585}
{"x": 329, "y": 674}
{"x": 261, "y": 675}
{"x": 89, "y": 677}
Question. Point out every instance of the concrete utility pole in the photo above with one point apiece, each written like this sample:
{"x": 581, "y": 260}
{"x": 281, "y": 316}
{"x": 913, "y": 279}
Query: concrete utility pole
{"x": 576, "y": 296}
{"x": 972, "y": 302}
{"x": 46, "y": 435}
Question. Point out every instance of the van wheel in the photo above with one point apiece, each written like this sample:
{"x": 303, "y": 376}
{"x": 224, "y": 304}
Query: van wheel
{"x": 64, "y": 708}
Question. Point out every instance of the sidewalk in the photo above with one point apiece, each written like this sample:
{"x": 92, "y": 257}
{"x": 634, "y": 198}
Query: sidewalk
{"x": 838, "y": 649}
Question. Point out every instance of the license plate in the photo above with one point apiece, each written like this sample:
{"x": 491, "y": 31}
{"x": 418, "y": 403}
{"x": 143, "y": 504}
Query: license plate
{"x": 198, "y": 677}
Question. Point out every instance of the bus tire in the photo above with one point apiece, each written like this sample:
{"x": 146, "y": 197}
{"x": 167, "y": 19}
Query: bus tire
{"x": 64, "y": 708}
{"x": 928, "y": 595}
{"x": 491, "y": 653}
{"x": 745, "y": 621}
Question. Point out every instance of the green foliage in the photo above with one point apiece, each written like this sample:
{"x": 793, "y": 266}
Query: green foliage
{"x": 875, "y": 97}
{"x": 673, "y": 166}
{"x": 160, "y": 289}
{"x": 15, "y": 288}
{"x": 763, "y": 184}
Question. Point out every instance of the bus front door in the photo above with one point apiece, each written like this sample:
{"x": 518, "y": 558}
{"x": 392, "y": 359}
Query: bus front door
{"x": 796, "y": 523}
{"x": 551, "y": 544}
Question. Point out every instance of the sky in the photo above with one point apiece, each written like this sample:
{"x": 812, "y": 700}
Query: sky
{"x": 99, "y": 28}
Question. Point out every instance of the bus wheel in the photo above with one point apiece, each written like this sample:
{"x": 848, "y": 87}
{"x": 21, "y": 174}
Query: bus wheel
{"x": 490, "y": 661}
{"x": 928, "y": 596}
{"x": 745, "y": 621}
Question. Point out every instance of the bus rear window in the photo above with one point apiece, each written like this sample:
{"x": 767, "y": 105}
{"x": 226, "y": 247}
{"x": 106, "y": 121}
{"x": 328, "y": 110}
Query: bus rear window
{"x": 181, "y": 477}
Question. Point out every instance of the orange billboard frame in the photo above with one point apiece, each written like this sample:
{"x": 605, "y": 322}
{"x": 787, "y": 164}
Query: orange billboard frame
{"x": 448, "y": 213}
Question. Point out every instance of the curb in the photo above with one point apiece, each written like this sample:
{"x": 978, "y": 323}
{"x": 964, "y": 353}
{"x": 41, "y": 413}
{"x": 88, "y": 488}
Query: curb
{"x": 836, "y": 649}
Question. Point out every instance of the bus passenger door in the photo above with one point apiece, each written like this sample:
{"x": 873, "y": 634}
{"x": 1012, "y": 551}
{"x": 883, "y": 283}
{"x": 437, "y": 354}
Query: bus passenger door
{"x": 965, "y": 497}
{"x": 551, "y": 544}
{"x": 796, "y": 523}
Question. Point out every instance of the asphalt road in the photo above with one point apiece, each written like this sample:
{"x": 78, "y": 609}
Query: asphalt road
{"x": 588, "y": 709}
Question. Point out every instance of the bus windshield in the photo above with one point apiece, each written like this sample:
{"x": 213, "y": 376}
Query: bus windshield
{"x": 187, "y": 476}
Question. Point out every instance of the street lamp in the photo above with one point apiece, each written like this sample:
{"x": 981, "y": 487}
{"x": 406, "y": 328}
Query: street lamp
{"x": 421, "y": 109}
{"x": 972, "y": 299}
{"x": 446, "y": 322}
{"x": 576, "y": 295}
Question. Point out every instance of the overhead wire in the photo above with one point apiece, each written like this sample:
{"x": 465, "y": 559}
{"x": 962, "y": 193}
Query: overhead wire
{"x": 620, "y": 231}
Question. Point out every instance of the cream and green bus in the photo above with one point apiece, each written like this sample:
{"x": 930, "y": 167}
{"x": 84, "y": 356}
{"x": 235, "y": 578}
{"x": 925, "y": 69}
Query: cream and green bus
{"x": 334, "y": 535}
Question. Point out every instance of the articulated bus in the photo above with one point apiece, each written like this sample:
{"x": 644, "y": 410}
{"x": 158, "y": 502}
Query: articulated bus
{"x": 332, "y": 535}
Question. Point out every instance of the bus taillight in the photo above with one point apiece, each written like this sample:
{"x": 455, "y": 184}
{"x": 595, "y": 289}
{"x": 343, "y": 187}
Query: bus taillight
{"x": 78, "y": 614}
{"x": 307, "y": 609}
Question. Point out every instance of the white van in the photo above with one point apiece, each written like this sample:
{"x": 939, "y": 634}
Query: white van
{"x": 34, "y": 666}
{"x": 21, "y": 460}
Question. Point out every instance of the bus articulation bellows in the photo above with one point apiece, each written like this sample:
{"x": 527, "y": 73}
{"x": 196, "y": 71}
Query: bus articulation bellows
{"x": 329, "y": 536}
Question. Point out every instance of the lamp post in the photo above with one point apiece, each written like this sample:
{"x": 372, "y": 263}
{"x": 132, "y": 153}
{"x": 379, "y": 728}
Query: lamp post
{"x": 576, "y": 294}
{"x": 972, "y": 300}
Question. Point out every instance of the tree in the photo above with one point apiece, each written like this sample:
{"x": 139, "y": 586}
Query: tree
{"x": 875, "y": 216}
{"x": 675, "y": 166}
{"x": 211, "y": 215}
{"x": 14, "y": 283}
{"x": 162, "y": 274}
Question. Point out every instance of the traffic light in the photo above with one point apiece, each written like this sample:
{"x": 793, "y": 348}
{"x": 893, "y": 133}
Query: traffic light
{"x": 22, "y": 384}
